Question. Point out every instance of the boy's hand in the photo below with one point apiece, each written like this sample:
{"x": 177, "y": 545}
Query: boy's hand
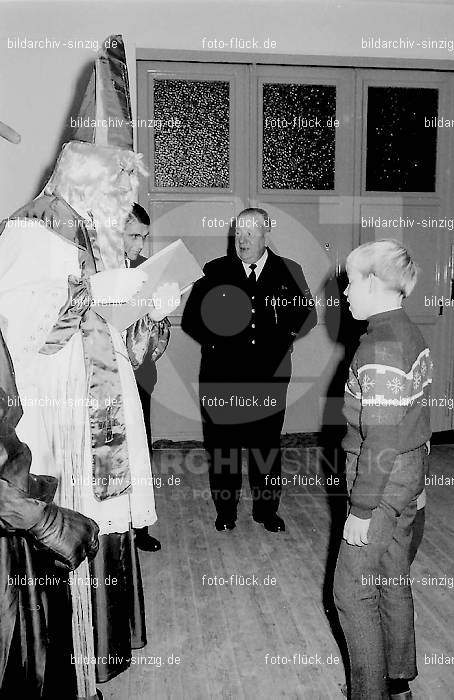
{"x": 355, "y": 530}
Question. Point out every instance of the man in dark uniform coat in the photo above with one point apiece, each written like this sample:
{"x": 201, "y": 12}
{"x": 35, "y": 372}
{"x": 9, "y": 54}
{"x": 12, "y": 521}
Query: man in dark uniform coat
{"x": 246, "y": 313}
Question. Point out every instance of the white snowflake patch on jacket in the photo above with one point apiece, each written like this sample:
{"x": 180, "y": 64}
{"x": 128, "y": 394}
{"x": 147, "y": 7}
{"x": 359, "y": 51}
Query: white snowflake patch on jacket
{"x": 395, "y": 385}
{"x": 367, "y": 383}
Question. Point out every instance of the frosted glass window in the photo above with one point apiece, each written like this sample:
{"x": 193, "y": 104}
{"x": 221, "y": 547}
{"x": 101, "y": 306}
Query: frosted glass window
{"x": 191, "y": 139}
{"x": 401, "y": 144}
{"x": 299, "y": 139}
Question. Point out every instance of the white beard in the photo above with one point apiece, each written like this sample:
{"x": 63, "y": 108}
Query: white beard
{"x": 109, "y": 214}
{"x": 87, "y": 180}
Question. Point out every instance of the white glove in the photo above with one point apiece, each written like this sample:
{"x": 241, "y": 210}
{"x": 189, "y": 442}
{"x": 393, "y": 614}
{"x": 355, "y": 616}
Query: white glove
{"x": 166, "y": 299}
{"x": 116, "y": 286}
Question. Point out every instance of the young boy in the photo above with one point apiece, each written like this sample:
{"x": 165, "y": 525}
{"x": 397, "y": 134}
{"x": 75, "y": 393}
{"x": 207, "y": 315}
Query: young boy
{"x": 388, "y": 427}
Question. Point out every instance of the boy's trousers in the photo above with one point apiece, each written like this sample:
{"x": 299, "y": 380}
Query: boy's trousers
{"x": 373, "y": 595}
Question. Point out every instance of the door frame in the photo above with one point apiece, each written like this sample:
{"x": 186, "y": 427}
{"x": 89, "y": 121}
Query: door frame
{"x": 147, "y": 54}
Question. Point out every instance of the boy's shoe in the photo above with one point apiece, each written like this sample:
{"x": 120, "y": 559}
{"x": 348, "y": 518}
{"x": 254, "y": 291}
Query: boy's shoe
{"x": 223, "y": 523}
{"x": 273, "y": 523}
{"x": 401, "y": 689}
{"x": 396, "y": 696}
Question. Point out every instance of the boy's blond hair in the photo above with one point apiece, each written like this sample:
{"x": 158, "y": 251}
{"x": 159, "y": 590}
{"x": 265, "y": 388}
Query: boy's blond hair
{"x": 388, "y": 260}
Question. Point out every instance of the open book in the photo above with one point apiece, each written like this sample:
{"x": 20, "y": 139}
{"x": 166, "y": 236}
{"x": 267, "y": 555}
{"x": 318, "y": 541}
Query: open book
{"x": 174, "y": 263}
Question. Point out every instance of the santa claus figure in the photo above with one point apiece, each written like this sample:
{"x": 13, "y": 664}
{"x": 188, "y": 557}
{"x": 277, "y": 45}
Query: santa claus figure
{"x": 60, "y": 256}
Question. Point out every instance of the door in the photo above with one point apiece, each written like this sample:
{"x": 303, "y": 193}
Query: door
{"x": 331, "y": 154}
{"x": 405, "y": 186}
{"x": 193, "y": 121}
{"x": 281, "y": 138}
{"x": 302, "y": 173}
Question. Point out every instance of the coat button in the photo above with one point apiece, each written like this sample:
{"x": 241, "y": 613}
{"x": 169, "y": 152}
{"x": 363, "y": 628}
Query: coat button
{"x": 253, "y": 342}
{"x": 253, "y": 311}
{"x": 252, "y": 325}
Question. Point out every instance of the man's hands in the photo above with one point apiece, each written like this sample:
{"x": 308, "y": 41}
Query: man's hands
{"x": 355, "y": 530}
{"x": 116, "y": 286}
{"x": 69, "y": 535}
{"x": 166, "y": 299}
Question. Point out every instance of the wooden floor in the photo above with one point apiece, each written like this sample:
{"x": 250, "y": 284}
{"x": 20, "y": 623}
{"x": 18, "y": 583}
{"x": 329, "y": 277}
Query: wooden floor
{"x": 227, "y": 638}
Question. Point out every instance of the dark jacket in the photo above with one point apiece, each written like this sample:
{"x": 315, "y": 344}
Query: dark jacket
{"x": 244, "y": 333}
{"x": 138, "y": 261}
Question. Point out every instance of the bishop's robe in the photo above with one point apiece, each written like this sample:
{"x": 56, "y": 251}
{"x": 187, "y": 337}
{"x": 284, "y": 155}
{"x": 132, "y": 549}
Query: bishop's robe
{"x": 65, "y": 359}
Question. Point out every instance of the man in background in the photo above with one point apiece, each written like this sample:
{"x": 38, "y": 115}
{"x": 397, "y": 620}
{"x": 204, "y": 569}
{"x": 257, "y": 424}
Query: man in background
{"x": 246, "y": 313}
{"x": 135, "y": 235}
{"x": 137, "y": 229}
